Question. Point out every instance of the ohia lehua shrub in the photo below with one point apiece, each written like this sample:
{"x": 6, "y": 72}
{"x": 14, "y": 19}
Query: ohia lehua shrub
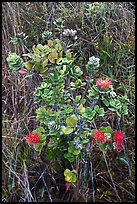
{"x": 73, "y": 110}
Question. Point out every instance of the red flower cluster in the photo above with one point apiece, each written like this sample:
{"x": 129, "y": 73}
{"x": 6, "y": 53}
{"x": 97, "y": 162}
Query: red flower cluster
{"x": 119, "y": 139}
{"x": 103, "y": 83}
{"x": 33, "y": 138}
{"x": 100, "y": 136}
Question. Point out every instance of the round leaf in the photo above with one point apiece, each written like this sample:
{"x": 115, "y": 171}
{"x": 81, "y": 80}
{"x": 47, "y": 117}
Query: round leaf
{"x": 81, "y": 109}
{"x": 67, "y": 130}
{"x": 72, "y": 120}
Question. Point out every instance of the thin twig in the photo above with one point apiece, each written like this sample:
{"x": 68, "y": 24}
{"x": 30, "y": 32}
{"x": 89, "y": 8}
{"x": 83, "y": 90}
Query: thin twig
{"x": 92, "y": 179}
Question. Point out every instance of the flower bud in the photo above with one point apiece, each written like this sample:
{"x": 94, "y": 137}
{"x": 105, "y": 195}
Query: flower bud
{"x": 52, "y": 125}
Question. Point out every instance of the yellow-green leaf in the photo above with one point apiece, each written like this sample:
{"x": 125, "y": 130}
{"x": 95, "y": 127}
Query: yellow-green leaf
{"x": 37, "y": 66}
{"x": 68, "y": 54}
{"x": 74, "y": 171}
{"x": 44, "y": 74}
{"x": 45, "y": 62}
{"x": 78, "y": 98}
{"x": 28, "y": 65}
{"x": 81, "y": 109}
{"x": 60, "y": 54}
{"x": 39, "y": 46}
{"x": 52, "y": 56}
{"x": 72, "y": 120}
{"x": 46, "y": 49}
{"x": 58, "y": 60}
{"x": 67, "y": 130}
{"x": 68, "y": 178}
{"x": 58, "y": 47}
{"x": 66, "y": 172}
{"x": 83, "y": 101}
{"x": 73, "y": 178}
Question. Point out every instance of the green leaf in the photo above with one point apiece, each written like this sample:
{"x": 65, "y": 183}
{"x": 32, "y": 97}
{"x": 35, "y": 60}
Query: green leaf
{"x": 70, "y": 150}
{"x": 102, "y": 128}
{"x": 69, "y": 109}
{"x": 15, "y": 62}
{"x": 102, "y": 147}
{"x": 52, "y": 56}
{"x": 78, "y": 71}
{"x": 112, "y": 103}
{"x": 43, "y": 138}
{"x": 106, "y": 102}
{"x": 45, "y": 63}
{"x": 101, "y": 112}
{"x": 37, "y": 66}
{"x": 58, "y": 47}
{"x": 67, "y": 172}
{"x": 73, "y": 178}
{"x": 46, "y": 49}
{"x": 89, "y": 114}
{"x": 53, "y": 153}
{"x": 38, "y": 147}
{"x": 108, "y": 135}
{"x": 112, "y": 109}
{"x": 81, "y": 109}
{"x": 66, "y": 130}
{"x": 44, "y": 85}
{"x": 14, "y": 41}
{"x": 69, "y": 156}
{"x": 68, "y": 54}
{"x": 41, "y": 132}
{"x": 110, "y": 145}
{"x": 108, "y": 129}
{"x": 76, "y": 152}
{"x": 125, "y": 113}
{"x": 28, "y": 65}
{"x": 83, "y": 101}
{"x": 125, "y": 110}
{"x": 77, "y": 99}
{"x": 117, "y": 102}
{"x": 72, "y": 120}
{"x": 96, "y": 108}
{"x": 56, "y": 114}
{"x": 85, "y": 141}
{"x": 39, "y": 47}
{"x": 74, "y": 171}
{"x": 70, "y": 176}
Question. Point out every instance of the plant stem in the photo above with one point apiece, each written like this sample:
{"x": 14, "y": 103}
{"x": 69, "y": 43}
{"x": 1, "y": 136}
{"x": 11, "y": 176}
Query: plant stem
{"x": 92, "y": 179}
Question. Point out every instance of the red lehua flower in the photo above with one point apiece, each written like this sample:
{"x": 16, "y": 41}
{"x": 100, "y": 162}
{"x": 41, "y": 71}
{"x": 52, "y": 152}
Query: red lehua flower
{"x": 119, "y": 136}
{"x": 118, "y": 147}
{"x": 67, "y": 186}
{"x": 103, "y": 83}
{"x": 119, "y": 139}
{"x": 100, "y": 136}
{"x": 22, "y": 72}
{"x": 33, "y": 138}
